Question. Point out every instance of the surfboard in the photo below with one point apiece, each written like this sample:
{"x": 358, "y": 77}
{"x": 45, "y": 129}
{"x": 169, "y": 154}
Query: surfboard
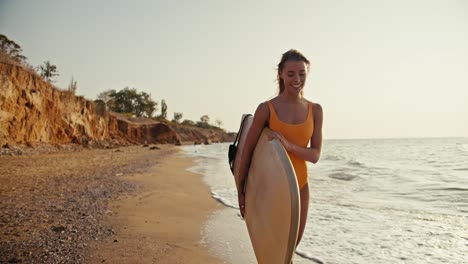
{"x": 272, "y": 199}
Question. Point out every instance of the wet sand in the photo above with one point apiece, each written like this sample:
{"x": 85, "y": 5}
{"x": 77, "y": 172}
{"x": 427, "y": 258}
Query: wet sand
{"x": 125, "y": 205}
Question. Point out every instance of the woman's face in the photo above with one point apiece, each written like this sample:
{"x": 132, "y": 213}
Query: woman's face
{"x": 294, "y": 76}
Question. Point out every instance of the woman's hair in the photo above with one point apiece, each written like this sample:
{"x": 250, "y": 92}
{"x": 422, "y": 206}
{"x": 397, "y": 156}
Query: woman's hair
{"x": 290, "y": 55}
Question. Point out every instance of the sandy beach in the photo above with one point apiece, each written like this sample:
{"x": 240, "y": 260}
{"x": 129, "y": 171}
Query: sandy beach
{"x": 125, "y": 205}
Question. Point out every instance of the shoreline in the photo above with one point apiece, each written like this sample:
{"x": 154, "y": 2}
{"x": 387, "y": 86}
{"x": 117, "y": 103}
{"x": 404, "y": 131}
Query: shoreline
{"x": 125, "y": 205}
{"x": 144, "y": 234}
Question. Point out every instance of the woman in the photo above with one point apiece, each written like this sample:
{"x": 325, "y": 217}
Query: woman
{"x": 295, "y": 121}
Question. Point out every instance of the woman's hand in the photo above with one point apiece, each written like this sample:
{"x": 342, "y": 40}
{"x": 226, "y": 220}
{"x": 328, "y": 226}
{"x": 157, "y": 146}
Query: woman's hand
{"x": 241, "y": 199}
{"x": 275, "y": 135}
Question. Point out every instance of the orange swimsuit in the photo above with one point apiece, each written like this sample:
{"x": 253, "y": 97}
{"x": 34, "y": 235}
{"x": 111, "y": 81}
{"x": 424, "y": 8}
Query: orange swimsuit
{"x": 298, "y": 134}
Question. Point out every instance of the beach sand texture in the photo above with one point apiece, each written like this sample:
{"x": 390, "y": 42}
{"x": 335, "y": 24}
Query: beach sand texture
{"x": 125, "y": 205}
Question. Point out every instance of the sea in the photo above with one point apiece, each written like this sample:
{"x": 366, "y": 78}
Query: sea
{"x": 371, "y": 201}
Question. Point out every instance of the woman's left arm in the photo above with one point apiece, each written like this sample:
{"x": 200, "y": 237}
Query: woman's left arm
{"x": 312, "y": 153}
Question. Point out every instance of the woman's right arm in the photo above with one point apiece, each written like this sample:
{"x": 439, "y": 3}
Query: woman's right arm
{"x": 260, "y": 120}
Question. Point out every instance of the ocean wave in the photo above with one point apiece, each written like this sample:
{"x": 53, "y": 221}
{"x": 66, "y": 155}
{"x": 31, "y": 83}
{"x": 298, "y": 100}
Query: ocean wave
{"x": 333, "y": 157}
{"x": 223, "y": 200}
{"x": 307, "y": 255}
{"x": 463, "y": 147}
{"x": 355, "y": 163}
{"x": 342, "y": 176}
{"x": 349, "y": 162}
{"x": 456, "y": 189}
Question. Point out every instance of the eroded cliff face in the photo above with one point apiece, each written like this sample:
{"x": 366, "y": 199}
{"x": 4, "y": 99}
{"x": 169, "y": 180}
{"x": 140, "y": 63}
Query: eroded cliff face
{"x": 32, "y": 111}
{"x": 143, "y": 132}
{"x": 201, "y": 135}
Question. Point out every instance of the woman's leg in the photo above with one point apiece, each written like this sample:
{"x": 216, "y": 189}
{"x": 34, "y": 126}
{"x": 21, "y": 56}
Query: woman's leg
{"x": 304, "y": 193}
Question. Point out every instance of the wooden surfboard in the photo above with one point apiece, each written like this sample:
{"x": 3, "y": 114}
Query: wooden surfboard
{"x": 272, "y": 199}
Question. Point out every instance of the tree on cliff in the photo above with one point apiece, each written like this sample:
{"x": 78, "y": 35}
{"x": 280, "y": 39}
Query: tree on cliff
{"x": 177, "y": 117}
{"x": 204, "y": 121}
{"x": 163, "y": 115}
{"x": 72, "y": 86}
{"x": 145, "y": 105}
{"x": 48, "y": 71}
{"x": 12, "y": 49}
{"x": 106, "y": 98}
{"x": 129, "y": 100}
{"x": 188, "y": 122}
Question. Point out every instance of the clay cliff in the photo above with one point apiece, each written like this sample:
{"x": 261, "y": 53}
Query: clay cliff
{"x": 32, "y": 111}
{"x": 141, "y": 130}
{"x": 201, "y": 135}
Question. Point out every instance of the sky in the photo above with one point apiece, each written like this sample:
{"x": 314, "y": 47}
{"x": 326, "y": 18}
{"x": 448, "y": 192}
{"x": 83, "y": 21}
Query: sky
{"x": 380, "y": 69}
